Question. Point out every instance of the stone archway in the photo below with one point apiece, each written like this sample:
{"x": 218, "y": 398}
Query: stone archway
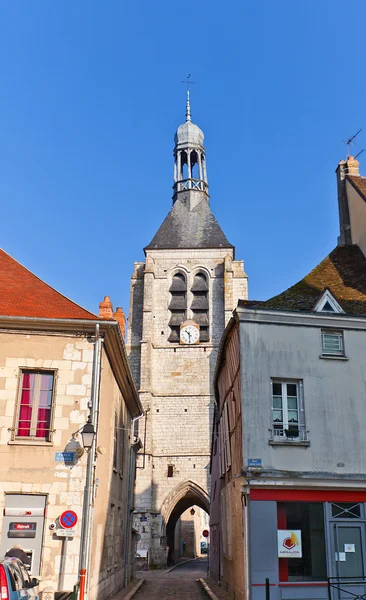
{"x": 183, "y": 497}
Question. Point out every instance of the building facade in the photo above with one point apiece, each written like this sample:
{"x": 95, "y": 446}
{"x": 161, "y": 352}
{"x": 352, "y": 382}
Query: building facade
{"x": 60, "y": 364}
{"x": 189, "y": 278}
{"x": 288, "y": 454}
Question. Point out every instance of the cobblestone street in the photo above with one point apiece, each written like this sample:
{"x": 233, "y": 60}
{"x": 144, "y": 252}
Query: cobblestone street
{"x": 178, "y": 584}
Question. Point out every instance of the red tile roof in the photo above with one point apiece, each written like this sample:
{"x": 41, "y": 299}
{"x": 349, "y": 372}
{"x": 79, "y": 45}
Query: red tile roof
{"x": 343, "y": 272}
{"x": 23, "y": 294}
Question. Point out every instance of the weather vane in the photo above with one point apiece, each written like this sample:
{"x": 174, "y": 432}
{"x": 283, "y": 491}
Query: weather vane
{"x": 188, "y": 82}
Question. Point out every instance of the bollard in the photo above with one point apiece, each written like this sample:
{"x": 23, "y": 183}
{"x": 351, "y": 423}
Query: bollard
{"x": 267, "y": 589}
{"x": 82, "y": 583}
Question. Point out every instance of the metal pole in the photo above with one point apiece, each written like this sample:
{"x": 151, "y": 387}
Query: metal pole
{"x": 63, "y": 564}
{"x": 267, "y": 589}
{"x": 85, "y": 523}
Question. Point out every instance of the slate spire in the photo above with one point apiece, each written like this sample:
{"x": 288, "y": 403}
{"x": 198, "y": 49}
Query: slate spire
{"x": 190, "y": 223}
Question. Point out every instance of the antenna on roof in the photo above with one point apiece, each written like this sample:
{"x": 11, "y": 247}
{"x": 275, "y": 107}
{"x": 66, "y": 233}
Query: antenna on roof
{"x": 360, "y": 152}
{"x": 350, "y": 140}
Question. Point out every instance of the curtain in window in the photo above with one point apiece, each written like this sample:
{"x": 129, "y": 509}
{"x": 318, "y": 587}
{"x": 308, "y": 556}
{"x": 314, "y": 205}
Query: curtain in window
{"x": 26, "y": 405}
{"x": 44, "y": 406}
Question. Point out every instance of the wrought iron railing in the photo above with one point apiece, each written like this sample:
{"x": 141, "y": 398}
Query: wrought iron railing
{"x": 340, "y": 583}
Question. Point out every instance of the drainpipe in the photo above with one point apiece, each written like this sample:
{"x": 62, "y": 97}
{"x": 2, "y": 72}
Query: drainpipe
{"x": 245, "y": 503}
{"x": 89, "y": 480}
{"x": 130, "y": 495}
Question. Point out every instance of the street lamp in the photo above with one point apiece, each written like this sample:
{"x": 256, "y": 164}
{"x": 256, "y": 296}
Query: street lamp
{"x": 192, "y": 511}
{"x": 88, "y": 434}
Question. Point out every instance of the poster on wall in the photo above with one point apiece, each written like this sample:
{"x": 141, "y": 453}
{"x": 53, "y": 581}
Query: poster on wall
{"x": 289, "y": 543}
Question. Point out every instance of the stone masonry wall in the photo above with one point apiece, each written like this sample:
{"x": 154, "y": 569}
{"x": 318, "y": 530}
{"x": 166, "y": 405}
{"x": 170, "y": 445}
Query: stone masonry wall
{"x": 175, "y": 381}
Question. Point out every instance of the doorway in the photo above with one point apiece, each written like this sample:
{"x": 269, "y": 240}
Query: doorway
{"x": 347, "y": 558}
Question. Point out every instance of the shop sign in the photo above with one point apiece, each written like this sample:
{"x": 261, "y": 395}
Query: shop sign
{"x": 289, "y": 543}
{"x": 22, "y": 530}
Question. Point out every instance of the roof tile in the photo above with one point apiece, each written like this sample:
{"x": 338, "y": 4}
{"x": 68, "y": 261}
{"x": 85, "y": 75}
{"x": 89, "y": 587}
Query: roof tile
{"x": 23, "y": 294}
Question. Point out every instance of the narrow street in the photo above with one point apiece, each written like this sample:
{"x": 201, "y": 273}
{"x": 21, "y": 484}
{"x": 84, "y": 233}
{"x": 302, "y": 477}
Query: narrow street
{"x": 180, "y": 583}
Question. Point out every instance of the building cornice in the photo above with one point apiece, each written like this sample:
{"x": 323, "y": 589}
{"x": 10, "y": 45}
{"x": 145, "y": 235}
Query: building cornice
{"x": 296, "y": 319}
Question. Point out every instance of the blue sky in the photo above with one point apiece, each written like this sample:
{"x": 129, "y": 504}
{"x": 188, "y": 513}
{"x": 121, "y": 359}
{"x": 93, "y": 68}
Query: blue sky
{"x": 91, "y": 96}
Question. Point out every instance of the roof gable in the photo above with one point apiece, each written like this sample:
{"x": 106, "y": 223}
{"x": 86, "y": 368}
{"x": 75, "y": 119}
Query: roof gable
{"x": 342, "y": 273}
{"x": 23, "y": 294}
{"x": 183, "y": 228}
{"x": 327, "y": 303}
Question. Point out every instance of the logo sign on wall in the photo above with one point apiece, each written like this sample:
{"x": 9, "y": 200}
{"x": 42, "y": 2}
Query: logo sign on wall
{"x": 289, "y": 543}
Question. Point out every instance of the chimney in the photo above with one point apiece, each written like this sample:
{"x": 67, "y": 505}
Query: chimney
{"x": 351, "y": 166}
{"x": 106, "y": 308}
{"x": 119, "y": 315}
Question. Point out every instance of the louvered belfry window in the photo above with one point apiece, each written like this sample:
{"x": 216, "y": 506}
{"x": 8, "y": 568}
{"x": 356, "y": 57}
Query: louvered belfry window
{"x": 177, "y": 305}
{"x": 199, "y": 306}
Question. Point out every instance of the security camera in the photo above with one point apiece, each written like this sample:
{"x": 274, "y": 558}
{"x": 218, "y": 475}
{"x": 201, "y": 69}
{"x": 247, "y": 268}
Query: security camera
{"x": 52, "y": 526}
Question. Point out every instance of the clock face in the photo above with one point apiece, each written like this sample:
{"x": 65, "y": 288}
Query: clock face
{"x": 189, "y": 334}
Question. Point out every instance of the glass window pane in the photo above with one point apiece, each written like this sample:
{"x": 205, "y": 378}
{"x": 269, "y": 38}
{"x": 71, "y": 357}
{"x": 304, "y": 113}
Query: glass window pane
{"x": 292, "y": 389}
{"x": 277, "y": 388}
{"x": 45, "y": 399}
{"x": 308, "y": 517}
{"x": 46, "y": 382}
{"x": 293, "y": 416}
{"x": 346, "y": 510}
{"x": 277, "y": 415}
{"x": 353, "y": 565}
{"x": 28, "y": 381}
{"x": 277, "y": 402}
{"x": 292, "y": 403}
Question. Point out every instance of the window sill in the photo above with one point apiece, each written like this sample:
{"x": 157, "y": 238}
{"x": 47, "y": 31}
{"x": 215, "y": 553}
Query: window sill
{"x": 303, "y": 443}
{"x": 333, "y": 357}
{"x": 29, "y": 443}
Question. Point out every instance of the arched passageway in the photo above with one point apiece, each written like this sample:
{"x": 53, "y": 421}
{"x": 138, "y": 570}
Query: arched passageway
{"x": 185, "y": 497}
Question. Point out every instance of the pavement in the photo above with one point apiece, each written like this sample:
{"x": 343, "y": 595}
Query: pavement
{"x": 179, "y": 584}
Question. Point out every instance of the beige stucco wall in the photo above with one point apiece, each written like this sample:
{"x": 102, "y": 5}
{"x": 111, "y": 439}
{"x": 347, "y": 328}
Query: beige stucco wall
{"x": 29, "y": 467}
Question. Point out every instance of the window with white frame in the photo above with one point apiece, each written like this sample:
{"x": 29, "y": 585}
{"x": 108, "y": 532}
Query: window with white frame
{"x": 35, "y": 406}
{"x": 332, "y": 342}
{"x": 286, "y": 410}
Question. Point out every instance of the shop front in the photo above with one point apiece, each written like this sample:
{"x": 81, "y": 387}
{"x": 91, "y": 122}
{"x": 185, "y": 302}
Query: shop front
{"x": 308, "y": 543}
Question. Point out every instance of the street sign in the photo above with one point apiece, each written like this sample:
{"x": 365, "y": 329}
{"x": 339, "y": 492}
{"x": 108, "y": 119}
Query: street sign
{"x": 66, "y": 457}
{"x": 66, "y": 532}
{"x": 205, "y": 533}
{"x": 68, "y": 519}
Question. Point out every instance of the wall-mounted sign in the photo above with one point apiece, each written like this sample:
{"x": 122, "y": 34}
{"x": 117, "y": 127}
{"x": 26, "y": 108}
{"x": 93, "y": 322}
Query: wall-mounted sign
{"x": 67, "y": 457}
{"x": 289, "y": 543}
{"x": 66, "y": 532}
{"x": 22, "y": 530}
{"x": 68, "y": 519}
{"x": 255, "y": 462}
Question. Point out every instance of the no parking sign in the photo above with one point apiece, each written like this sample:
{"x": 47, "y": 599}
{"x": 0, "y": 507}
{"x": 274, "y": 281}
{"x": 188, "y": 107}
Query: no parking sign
{"x": 68, "y": 519}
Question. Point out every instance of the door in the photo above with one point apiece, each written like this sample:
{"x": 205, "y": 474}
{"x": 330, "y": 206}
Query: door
{"x": 348, "y": 560}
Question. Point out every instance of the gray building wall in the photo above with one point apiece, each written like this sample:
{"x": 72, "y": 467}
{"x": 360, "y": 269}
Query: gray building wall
{"x": 275, "y": 345}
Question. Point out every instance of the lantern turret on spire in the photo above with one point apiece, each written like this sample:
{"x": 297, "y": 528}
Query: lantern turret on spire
{"x": 190, "y": 173}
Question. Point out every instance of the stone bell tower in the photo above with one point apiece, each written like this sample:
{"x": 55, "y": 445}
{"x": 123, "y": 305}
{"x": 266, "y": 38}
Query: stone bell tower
{"x": 189, "y": 275}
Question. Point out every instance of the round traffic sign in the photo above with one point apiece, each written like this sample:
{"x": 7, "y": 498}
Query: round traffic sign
{"x": 68, "y": 519}
{"x": 205, "y": 533}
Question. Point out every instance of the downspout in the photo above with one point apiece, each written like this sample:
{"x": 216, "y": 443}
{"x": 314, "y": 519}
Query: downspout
{"x": 88, "y": 491}
{"x": 130, "y": 494}
{"x": 245, "y": 502}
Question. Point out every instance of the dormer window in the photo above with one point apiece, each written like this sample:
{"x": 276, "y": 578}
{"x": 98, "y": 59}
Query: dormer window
{"x": 327, "y": 304}
{"x": 177, "y": 305}
{"x": 200, "y": 306}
